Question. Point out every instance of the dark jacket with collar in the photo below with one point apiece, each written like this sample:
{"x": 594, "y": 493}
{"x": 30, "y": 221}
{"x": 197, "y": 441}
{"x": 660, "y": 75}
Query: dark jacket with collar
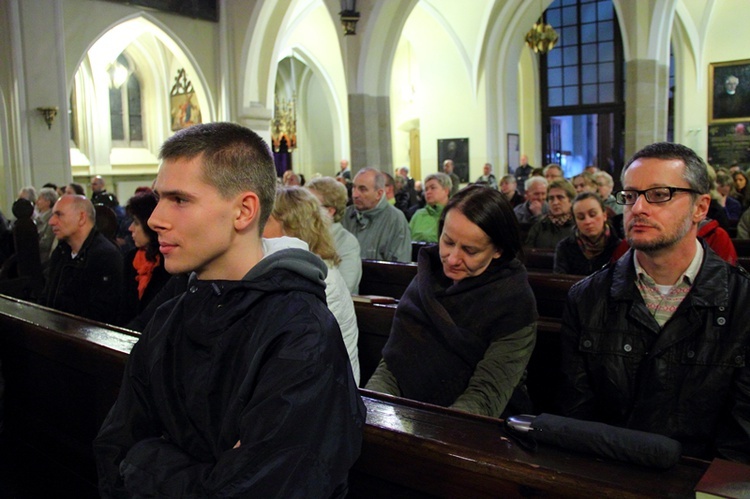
{"x": 237, "y": 389}
{"x": 89, "y": 285}
{"x": 689, "y": 380}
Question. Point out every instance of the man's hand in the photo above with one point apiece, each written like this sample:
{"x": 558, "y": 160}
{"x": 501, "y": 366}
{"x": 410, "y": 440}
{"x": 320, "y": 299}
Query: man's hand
{"x": 535, "y": 207}
{"x": 237, "y": 445}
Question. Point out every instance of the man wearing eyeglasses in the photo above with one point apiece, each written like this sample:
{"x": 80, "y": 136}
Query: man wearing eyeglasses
{"x": 659, "y": 341}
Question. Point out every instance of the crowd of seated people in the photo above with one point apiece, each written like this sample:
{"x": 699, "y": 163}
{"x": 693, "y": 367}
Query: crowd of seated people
{"x": 465, "y": 328}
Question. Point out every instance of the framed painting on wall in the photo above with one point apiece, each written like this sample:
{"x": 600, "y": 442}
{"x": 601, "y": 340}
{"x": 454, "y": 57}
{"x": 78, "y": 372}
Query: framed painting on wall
{"x": 183, "y": 103}
{"x": 185, "y": 110}
{"x": 458, "y": 151}
{"x": 729, "y": 99}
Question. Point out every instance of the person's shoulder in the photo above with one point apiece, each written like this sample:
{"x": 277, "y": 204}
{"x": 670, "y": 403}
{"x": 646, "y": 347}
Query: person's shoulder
{"x": 599, "y": 283}
{"x": 395, "y": 214}
{"x": 567, "y": 243}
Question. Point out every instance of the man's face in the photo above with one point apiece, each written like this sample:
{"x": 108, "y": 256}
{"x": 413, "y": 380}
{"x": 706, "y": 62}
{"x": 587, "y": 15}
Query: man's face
{"x": 364, "y": 195}
{"x": 487, "y": 170}
{"x": 603, "y": 189}
{"x": 507, "y": 187}
{"x": 42, "y": 204}
{"x": 448, "y": 167}
{"x": 651, "y": 227}
{"x": 97, "y": 184}
{"x": 434, "y": 193}
{"x": 524, "y": 160}
{"x": 553, "y": 174}
{"x": 558, "y": 202}
{"x": 537, "y": 192}
{"x": 730, "y": 85}
{"x": 344, "y": 164}
{"x": 194, "y": 222}
{"x": 66, "y": 219}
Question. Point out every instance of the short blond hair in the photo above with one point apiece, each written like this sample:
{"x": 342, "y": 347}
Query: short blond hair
{"x": 333, "y": 193}
{"x": 301, "y": 215}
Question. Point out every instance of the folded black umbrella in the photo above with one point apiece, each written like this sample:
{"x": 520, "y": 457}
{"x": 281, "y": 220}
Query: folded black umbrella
{"x": 621, "y": 444}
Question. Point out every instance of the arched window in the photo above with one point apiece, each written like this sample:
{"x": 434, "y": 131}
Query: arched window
{"x": 582, "y": 87}
{"x": 125, "y": 109}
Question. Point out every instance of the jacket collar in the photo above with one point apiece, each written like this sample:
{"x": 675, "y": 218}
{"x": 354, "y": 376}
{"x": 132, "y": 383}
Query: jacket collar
{"x": 708, "y": 290}
{"x": 363, "y": 217}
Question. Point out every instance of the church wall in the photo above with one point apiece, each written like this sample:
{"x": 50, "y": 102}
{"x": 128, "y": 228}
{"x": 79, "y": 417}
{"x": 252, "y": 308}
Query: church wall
{"x": 446, "y": 102}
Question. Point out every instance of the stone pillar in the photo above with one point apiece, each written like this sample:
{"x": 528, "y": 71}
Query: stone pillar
{"x": 258, "y": 119}
{"x": 370, "y": 132}
{"x": 38, "y": 62}
{"x": 646, "y": 103}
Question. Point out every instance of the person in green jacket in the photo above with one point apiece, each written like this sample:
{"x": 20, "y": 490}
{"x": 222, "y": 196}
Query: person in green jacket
{"x": 424, "y": 223}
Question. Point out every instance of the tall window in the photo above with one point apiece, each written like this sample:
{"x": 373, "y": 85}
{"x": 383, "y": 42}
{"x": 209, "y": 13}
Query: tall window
{"x": 125, "y": 105}
{"x": 670, "y": 107}
{"x": 582, "y": 87}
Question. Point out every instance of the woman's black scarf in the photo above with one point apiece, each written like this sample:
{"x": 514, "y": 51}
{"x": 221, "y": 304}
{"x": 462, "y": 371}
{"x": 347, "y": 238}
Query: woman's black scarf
{"x": 441, "y": 330}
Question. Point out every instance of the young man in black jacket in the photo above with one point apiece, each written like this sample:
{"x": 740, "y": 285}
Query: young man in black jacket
{"x": 241, "y": 384}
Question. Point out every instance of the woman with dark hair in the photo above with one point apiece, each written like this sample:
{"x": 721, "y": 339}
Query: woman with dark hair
{"x": 466, "y": 326}
{"x": 742, "y": 189}
{"x": 592, "y": 242}
{"x": 144, "y": 274}
{"x": 75, "y": 188}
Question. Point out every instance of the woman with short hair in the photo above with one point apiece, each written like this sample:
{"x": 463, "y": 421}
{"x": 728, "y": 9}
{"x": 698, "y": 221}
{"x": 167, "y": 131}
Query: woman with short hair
{"x": 333, "y": 196}
{"x": 465, "y": 327}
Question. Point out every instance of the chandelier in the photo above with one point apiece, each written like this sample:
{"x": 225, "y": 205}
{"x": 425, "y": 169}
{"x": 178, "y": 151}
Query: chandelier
{"x": 541, "y": 37}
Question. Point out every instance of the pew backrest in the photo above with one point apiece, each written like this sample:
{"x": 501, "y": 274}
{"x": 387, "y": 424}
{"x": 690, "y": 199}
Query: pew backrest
{"x": 62, "y": 375}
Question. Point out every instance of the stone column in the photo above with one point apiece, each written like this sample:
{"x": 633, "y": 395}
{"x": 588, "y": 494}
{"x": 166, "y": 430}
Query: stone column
{"x": 646, "y": 103}
{"x": 370, "y": 132}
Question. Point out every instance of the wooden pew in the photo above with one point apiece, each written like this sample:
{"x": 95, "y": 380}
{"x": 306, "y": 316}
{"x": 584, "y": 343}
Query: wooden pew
{"x": 62, "y": 374}
{"x": 392, "y": 278}
{"x": 386, "y": 278}
{"x": 67, "y": 374}
{"x": 417, "y": 450}
{"x": 539, "y": 259}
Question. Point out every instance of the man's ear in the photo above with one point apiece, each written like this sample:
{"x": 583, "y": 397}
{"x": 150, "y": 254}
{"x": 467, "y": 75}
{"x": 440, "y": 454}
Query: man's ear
{"x": 248, "y": 212}
{"x": 82, "y": 218}
{"x": 700, "y": 209}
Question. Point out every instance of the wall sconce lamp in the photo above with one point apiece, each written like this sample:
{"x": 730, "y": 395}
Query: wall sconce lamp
{"x": 49, "y": 114}
{"x": 349, "y": 16}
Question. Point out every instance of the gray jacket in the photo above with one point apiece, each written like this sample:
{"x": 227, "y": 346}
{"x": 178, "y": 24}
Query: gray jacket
{"x": 383, "y": 232}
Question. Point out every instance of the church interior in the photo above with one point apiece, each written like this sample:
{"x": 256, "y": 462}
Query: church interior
{"x": 93, "y": 88}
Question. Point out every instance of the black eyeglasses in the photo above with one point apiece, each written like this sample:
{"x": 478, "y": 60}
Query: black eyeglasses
{"x": 653, "y": 195}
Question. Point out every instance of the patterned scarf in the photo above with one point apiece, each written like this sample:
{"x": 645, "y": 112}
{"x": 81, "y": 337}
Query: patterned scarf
{"x": 591, "y": 248}
{"x": 144, "y": 269}
{"x": 559, "y": 220}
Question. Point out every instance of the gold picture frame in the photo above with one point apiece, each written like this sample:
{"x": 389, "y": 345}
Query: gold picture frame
{"x": 729, "y": 92}
{"x": 184, "y": 108}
